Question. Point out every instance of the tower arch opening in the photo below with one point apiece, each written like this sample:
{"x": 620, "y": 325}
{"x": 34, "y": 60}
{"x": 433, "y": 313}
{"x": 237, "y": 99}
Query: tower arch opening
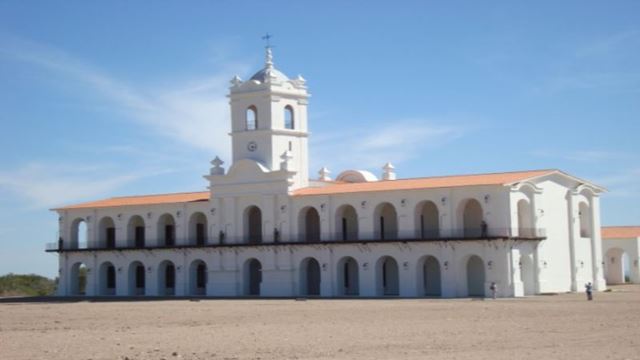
{"x": 289, "y": 119}
{"x": 251, "y": 119}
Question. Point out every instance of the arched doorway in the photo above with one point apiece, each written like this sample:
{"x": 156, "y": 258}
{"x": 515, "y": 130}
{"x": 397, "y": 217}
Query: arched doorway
{"x": 527, "y": 275}
{"x": 253, "y": 225}
{"x": 475, "y": 276}
{"x": 137, "y": 279}
{"x": 525, "y": 220}
{"x": 198, "y": 229}
{"x": 107, "y": 233}
{"x": 198, "y": 278}
{"x": 166, "y": 279}
{"x": 472, "y": 219}
{"x": 136, "y": 232}
{"x": 78, "y": 280}
{"x": 309, "y": 224}
{"x": 252, "y": 277}
{"x": 107, "y": 279}
{"x": 429, "y": 280}
{"x": 427, "y": 221}
{"x": 346, "y": 223}
{"x": 348, "y": 281}
{"x": 616, "y": 266}
{"x": 387, "y": 275}
{"x": 386, "y": 222}
{"x": 310, "y": 277}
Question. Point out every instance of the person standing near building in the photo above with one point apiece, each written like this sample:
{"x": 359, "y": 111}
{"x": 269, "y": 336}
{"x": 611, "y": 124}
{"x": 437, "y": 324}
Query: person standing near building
{"x": 589, "y": 290}
{"x": 494, "y": 289}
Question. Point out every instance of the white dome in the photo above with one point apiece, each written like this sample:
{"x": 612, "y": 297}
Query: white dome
{"x": 356, "y": 176}
{"x": 269, "y": 73}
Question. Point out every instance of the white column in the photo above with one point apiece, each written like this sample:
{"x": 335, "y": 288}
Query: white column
{"x": 449, "y": 273}
{"x": 599, "y": 283}
{"x": 574, "y": 233}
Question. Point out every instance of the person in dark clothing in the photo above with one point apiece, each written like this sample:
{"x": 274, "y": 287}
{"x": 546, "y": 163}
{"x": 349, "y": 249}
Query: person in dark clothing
{"x": 483, "y": 229}
{"x": 588, "y": 288}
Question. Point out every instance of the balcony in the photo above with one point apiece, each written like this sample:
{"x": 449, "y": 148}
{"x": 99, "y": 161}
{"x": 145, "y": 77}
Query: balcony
{"x": 457, "y": 235}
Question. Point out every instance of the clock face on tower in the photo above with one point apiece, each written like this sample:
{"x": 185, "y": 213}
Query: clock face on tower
{"x": 252, "y": 146}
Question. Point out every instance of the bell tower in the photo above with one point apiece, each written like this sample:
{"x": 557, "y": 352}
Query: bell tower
{"x": 269, "y": 120}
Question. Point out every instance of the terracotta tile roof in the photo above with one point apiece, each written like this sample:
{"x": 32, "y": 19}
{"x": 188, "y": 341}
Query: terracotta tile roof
{"x": 620, "y": 232}
{"x": 142, "y": 200}
{"x": 425, "y": 183}
{"x": 332, "y": 188}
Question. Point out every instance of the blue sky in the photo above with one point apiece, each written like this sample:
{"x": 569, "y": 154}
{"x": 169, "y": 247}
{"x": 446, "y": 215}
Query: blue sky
{"x": 118, "y": 98}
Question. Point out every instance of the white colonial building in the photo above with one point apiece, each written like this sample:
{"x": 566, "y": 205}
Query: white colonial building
{"x": 265, "y": 229}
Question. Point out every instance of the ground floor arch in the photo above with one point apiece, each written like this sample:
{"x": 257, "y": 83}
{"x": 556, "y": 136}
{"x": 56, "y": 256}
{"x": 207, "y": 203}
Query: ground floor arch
{"x": 107, "y": 279}
{"x": 348, "y": 281}
{"x": 166, "y": 278}
{"x": 616, "y": 266}
{"x": 475, "y": 276}
{"x": 387, "y": 277}
{"x": 310, "y": 277}
{"x": 252, "y": 277}
{"x": 137, "y": 279}
{"x": 78, "y": 279}
{"x": 429, "y": 278}
{"x": 198, "y": 278}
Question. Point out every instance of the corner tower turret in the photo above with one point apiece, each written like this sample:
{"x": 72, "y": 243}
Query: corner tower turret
{"x": 269, "y": 118}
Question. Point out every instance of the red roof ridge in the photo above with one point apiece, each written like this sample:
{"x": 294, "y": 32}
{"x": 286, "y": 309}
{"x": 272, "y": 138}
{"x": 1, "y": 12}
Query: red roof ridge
{"x": 472, "y": 174}
{"x": 160, "y": 194}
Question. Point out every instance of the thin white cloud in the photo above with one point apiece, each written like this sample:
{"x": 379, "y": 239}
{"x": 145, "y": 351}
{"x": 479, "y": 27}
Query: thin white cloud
{"x": 608, "y": 44}
{"x": 192, "y": 112}
{"x": 372, "y": 147}
{"x": 585, "y": 156}
{"x": 44, "y": 186}
{"x": 625, "y": 183}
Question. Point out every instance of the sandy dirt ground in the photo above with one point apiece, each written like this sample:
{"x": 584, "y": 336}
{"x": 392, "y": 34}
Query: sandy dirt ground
{"x": 544, "y": 327}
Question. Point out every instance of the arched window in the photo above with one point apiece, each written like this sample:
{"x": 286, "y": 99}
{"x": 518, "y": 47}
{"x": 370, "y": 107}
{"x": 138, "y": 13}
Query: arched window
{"x": 386, "y": 218}
{"x": 288, "y": 118}
{"x": 252, "y": 118}
{"x": 584, "y": 215}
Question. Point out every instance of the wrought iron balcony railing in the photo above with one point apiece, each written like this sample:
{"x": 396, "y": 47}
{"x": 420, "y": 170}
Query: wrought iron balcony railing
{"x": 305, "y": 239}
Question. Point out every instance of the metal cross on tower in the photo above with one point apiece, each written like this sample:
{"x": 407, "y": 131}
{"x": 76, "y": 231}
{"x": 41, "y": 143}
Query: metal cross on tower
{"x": 267, "y": 37}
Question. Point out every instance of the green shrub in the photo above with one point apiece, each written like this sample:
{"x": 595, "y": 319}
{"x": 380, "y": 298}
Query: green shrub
{"x": 26, "y": 285}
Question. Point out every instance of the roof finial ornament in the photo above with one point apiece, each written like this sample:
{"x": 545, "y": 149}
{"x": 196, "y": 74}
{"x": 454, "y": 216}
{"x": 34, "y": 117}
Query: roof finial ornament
{"x": 269, "y": 55}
